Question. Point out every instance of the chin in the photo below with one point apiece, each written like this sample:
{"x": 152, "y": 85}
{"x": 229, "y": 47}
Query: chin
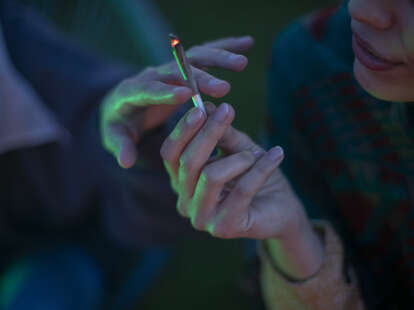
{"x": 383, "y": 86}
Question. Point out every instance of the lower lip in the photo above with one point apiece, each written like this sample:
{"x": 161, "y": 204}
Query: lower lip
{"x": 368, "y": 60}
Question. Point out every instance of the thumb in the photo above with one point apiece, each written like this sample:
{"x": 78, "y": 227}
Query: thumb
{"x": 127, "y": 155}
{"x": 120, "y": 143}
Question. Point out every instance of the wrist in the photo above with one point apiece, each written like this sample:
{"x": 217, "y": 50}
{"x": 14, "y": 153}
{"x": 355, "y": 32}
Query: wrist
{"x": 298, "y": 254}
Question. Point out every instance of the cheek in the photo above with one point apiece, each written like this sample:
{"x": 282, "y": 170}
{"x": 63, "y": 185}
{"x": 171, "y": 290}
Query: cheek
{"x": 389, "y": 86}
{"x": 408, "y": 41}
{"x": 366, "y": 80}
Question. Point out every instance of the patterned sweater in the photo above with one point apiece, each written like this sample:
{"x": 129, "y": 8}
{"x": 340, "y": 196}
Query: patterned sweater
{"x": 350, "y": 157}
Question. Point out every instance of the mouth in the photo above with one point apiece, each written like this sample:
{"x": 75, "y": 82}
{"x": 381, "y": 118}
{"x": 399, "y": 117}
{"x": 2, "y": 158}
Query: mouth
{"x": 370, "y": 58}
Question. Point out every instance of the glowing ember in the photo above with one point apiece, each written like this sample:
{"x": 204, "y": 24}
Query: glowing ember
{"x": 175, "y": 42}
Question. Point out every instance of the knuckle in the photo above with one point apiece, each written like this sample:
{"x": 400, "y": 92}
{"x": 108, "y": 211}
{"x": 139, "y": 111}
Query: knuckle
{"x": 181, "y": 208}
{"x": 197, "y": 223}
{"x": 165, "y": 151}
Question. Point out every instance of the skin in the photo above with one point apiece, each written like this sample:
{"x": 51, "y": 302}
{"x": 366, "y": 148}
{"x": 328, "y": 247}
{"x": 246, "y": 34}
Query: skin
{"x": 146, "y": 100}
{"x": 388, "y": 26}
{"x": 242, "y": 193}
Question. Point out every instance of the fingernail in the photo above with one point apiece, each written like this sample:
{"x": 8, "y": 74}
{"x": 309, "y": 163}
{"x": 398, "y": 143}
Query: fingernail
{"x": 222, "y": 112}
{"x": 237, "y": 58}
{"x": 275, "y": 153}
{"x": 215, "y": 83}
{"x": 194, "y": 116}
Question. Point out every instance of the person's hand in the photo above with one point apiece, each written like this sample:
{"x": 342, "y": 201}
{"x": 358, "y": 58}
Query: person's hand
{"x": 145, "y": 101}
{"x": 239, "y": 194}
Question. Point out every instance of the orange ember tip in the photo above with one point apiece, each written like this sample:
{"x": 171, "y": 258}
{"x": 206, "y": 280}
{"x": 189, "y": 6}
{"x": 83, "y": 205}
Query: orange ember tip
{"x": 175, "y": 42}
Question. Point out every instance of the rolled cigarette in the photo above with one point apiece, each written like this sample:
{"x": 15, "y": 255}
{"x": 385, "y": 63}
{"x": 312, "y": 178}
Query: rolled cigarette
{"x": 185, "y": 68}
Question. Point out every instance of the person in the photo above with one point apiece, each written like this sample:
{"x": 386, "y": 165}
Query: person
{"x": 65, "y": 201}
{"x": 335, "y": 220}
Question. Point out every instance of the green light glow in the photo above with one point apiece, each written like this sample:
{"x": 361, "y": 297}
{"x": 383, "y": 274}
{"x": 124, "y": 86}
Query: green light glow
{"x": 176, "y": 134}
{"x": 10, "y": 284}
{"x": 119, "y": 106}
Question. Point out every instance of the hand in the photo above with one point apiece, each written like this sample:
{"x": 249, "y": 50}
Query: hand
{"x": 145, "y": 101}
{"x": 241, "y": 193}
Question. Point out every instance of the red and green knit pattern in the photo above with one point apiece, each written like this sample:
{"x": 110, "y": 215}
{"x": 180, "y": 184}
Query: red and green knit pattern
{"x": 349, "y": 156}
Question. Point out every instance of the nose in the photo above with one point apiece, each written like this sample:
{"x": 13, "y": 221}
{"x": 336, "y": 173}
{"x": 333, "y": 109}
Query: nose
{"x": 375, "y": 13}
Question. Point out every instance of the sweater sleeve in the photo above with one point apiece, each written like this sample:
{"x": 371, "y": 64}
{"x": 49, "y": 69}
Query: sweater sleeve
{"x": 330, "y": 288}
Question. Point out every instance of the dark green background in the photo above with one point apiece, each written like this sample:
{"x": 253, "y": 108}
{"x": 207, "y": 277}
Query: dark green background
{"x": 199, "y": 21}
{"x": 203, "y": 274}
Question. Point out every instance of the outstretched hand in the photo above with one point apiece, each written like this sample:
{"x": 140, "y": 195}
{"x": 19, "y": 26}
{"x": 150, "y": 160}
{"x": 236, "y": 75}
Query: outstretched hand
{"x": 146, "y": 100}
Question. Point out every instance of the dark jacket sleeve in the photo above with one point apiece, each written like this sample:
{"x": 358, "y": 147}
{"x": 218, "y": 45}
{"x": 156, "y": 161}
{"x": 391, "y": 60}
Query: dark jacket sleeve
{"x": 64, "y": 188}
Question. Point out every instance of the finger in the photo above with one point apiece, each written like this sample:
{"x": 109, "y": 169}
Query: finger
{"x": 144, "y": 93}
{"x": 121, "y": 143}
{"x": 239, "y": 199}
{"x": 236, "y": 141}
{"x": 210, "y": 85}
{"x": 211, "y": 183}
{"x": 233, "y": 141}
{"x": 203, "y": 56}
{"x": 127, "y": 153}
{"x": 207, "y": 83}
{"x": 235, "y": 45}
{"x": 174, "y": 145}
{"x": 210, "y": 108}
{"x": 202, "y": 145}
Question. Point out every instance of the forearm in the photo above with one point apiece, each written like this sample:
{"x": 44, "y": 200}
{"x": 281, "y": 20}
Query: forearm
{"x": 299, "y": 254}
